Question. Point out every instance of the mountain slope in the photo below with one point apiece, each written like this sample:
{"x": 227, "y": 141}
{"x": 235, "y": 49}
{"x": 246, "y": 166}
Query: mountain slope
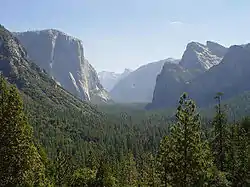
{"x": 169, "y": 85}
{"x": 109, "y": 79}
{"x": 230, "y": 76}
{"x": 174, "y": 80}
{"x": 202, "y": 57}
{"x": 62, "y": 56}
{"x": 57, "y": 116}
{"x": 28, "y": 77}
{"x": 139, "y": 85}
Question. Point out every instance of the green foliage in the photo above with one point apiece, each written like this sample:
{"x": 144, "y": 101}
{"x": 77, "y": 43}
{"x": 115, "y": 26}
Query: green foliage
{"x": 148, "y": 174}
{"x": 230, "y": 146}
{"x": 129, "y": 174}
{"x": 83, "y": 177}
{"x": 20, "y": 163}
{"x": 119, "y": 151}
{"x": 104, "y": 176}
{"x": 238, "y": 157}
{"x": 62, "y": 169}
{"x": 127, "y": 146}
{"x": 184, "y": 158}
{"x": 217, "y": 178}
{"x": 219, "y": 136}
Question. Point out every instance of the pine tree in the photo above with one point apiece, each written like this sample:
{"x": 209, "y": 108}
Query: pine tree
{"x": 62, "y": 168}
{"x": 20, "y": 162}
{"x": 129, "y": 172}
{"x": 83, "y": 177}
{"x": 184, "y": 157}
{"x": 238, "y": 163}
{"x": 148, "y": 175}
{"x": 104, "y": 176}
{"x": 164, "y": 158}
{"x": 91, "y": 161}
{"x": 219, "y": 136}
{"x": 231, "y": 160}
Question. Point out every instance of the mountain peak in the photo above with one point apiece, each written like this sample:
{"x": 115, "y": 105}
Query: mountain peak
{"x": 62, "y": 56}
{"x": 210, "y": 43}
{"x": 230, "y": 76}
{"x": 110, "y": 79}
{"x": 29, "y": 78}
{"x": 52, "y": 33}
{"x": 195, "y": 46}
{"x": 202, "y": 57}
{"x": 216, "y": 48}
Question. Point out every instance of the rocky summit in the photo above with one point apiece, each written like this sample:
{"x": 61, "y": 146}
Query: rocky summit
{"x": 202, "y": 57}
{"x": 109, "y": 79}
{"x": 62, "y": 57}
{"x": 214, "y": 69}
{"x": 34, "y": 84}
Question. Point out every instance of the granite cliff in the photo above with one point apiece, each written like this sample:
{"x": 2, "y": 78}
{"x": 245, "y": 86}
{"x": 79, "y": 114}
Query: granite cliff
{"x": 62, "y": 56}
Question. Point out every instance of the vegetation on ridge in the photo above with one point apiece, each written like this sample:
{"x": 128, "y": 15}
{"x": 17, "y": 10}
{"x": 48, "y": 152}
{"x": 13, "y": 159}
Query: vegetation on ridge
{"x": 124, "y": 153}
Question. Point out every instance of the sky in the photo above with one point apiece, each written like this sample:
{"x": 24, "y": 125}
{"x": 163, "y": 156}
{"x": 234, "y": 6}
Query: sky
{"x": 120, "y": 34}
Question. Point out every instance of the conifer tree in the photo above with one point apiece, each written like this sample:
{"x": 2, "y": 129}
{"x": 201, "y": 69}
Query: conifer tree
{"x": 83, "y": 177}
{"x": 184, "y": 157}
{"x": 237, "y": 161}
{"x": 219, "y": 136}
{"x": 63, "y": 168}
{"x": 129, "y": 172}
{"x": 20, "y": 162}
{"x": 91, "y": 161}
{"x": 148, "y": 175}
{"x": 164, "y": 159}
{"x": 104, "y": 176}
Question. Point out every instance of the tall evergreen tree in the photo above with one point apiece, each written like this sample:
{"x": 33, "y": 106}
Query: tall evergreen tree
{"x": 62, "y": 168}
{"x": 83, "y": 177}
{"x": 237, "y": 161}
{"x": 219, "y": 135}
{"x": 91, "y": 161}
{"x": 104, "y": 176}
{"x": 129, "y": 173}
{"x": 184, "y": 156}
{"x": 20, "y": 162}
{"x": 148, "y": 175}
{"x": 164, "y": 158}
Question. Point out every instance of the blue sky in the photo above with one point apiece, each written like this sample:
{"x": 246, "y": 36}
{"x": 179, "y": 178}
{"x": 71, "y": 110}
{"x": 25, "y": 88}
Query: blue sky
{"x": 120, "y": 34}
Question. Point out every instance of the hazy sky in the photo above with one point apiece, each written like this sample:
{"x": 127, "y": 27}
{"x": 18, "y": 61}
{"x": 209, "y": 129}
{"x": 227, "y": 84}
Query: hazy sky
{"x": 120, "y": 34}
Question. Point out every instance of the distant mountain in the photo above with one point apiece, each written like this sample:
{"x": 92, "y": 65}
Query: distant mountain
{"x": 231, "y": 76}
{"x": 35, "y": 85}
{"x": 62, "y": 56}
{"x": 202, "y": 57}
{"x": 53, "y": 112}
{"x": 139, "y": 85}
{"x": 109, "y": 79}
{"x": 169, "y": 85}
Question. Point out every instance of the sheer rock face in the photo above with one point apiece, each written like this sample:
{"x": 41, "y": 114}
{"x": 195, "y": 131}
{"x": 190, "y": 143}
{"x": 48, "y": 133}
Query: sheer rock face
{"x": 35, "y": 85}
{"x": 169, "y": 85}
{"x": 231, "y": 77}
{"x": 62, "y": 56}
{"x": 202, "y": 57}
{"x": 175, "y": 79}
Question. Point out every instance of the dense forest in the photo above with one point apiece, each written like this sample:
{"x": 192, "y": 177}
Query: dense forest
{"x": 48, "y": 147}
